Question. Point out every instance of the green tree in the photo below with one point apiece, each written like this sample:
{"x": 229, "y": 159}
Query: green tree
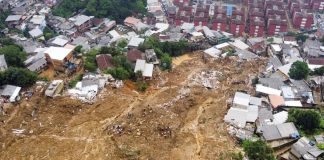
{"x": 319, "y": 71}
{"x": 142, "y": 86}
{"x": 14, "y": 55}
{"x": 122, "y": 43}
{"x": 299, "y": 70}
{"x": 48, "y": 33}
{"x": 258, "y": 150}
{"x": 119, "y": 73}
{"x": 166, "y": 62}
{"x": 90, "y": 60}
{"x": 18, "y": 76}
{"x": 109, "y": 50}
{"x": 122, "y": 61}
{"x": 301, "y": 37}
{"x": 78, "y": 49}
{"x": 307, "y": 120}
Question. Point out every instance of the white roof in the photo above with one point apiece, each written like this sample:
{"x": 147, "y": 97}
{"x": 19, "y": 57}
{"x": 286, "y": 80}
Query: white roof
{"x": 161, "y": 27}
{"x": 280, "y": 118}
{"x": 285, "y": 69}
{"x": 276, "y": 47}
{"x": 213, "y": 52}
{"x": 222, "y": 45}
{"x": 241, "y": 99}
{"x": 60, "y": 42}
{"x": 140, "y": 65}
{"x": 188, "y": 26}
{"x": 287, "y": 92}
{"x": 114, "y": 34}
{"x": 239, "y": 117}
{"x": 15, "y": 94}
{"x": 38, "y": 19}
{"x": 58, "y": 53}
{"x": 239, "y": 44}
{"x": 293, "y": 104}
{"x": 13, "y": 18}
{"x": 196, "y": 34}
{"x": 81, "y": 19}
{"x": 208, "y": 32}
{"x": 267, "y": 90}
{"x": 36, "y": 32}
{"x": 135, "y": 42}
{"x": 147, "y": 69}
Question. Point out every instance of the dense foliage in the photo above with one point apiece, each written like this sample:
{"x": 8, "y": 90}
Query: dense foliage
{"x": 67, "y": 7}
{"x": 75, "y": 80}
{"x": 166, "y": 62}
{"x": 90, "y": 63}
{"x": 171, "y": 48}
{"x": 116, "y": 9}
{"x": 318, "y": 71}
{"x": 299, "y": 70}
{"x": 258, "y": 150}
{"x": 3, "y": 17}
{"x": 48, "y": 33}
{"x": 306, "y": 120}
{"x": 14, "y": 55}
{"x": 18, "y": 76}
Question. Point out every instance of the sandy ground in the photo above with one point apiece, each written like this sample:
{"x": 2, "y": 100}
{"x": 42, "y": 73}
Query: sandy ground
{"x": 172, "y": 120}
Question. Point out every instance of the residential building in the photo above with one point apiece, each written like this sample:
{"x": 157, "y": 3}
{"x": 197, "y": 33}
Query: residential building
{"x": 219, "y": 22}
{"x": 104, "y": 61}
{"x": 276, "y": 24}
{"x": 10, "y": 93}
{"x": 237, "y": 25}
{"x": 145, "y": 68}
{"x": 83, "y": 22}
{"x": 257, "y": 27}
{"x": 58, "y": 57}
{"x": 303, "y": 19}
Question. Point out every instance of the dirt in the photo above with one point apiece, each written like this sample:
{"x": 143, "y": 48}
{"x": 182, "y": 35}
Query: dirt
{"x": 170, "y": 121}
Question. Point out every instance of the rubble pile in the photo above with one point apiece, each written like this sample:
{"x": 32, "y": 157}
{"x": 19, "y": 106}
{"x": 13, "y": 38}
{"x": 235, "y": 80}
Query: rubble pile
{"x": 183, "y": 92}
{"x": 207, "y": 79}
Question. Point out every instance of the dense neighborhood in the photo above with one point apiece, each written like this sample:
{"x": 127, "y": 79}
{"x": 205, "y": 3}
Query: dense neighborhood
{"x": 80, "y": 49}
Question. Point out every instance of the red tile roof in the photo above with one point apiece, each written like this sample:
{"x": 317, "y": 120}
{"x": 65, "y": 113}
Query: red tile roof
{"x": 133, "y": 55}
{"x": 316, "y": 61}
{"x": 104, "y": 61}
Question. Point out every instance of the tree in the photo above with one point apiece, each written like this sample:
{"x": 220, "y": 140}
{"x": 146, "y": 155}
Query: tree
{"x": 78, "y": 49}
{"x": 109, "y": 50}
{"x": 319, "y": 71}
{"x": 301, "y": 37}
{"x": 48, "y": 33}
{"x": 122, "y": 43}
{"x": 90, "y": 60}
{"x": 258, "y": 150}
{"x": 166, "y": 62}
{"x": 299, "y": 70}
{"x": 307, "y": 120}
{"x": 18, "y": 76}
{"x": 122, "y": 61}
{"x": 14, "y": 55}
{"x": 119, "y": 73}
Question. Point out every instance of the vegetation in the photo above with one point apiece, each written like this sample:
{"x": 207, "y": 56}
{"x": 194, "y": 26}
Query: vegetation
{"x": 90, "y": 60}
{"x": 318, "y": 71}
{"x": 48, "y": 33}
{"x": 119, "y": 73}
{"x": 67, "y": 7}
{"x": 258, "y": 150}
{"x": 14, "y": 55}
{"x": 172, "y": 48}
{"x": 78, "y": 49}
{"x": 142, "y": 86}
{"x": 301, "y": 37}
{"x": 299, "y": 70}
{"x": 3, "y": 17}
{"x": 166, "y": 62}
{"x": 122, "y": 43}
{"x": 75, "y": 80}
{"x": 116, "y": 9}
{"x": 109, "y": 50}
{"x": 18, "y": 76}
{"x": 320, "y": 146}
{"x": 305, "y": 120}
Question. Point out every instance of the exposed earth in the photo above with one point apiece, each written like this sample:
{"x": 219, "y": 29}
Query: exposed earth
{"x": 174, "y": 119}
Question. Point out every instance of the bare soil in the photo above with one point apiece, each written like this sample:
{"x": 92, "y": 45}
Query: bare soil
{"x": 172, "y": 120}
